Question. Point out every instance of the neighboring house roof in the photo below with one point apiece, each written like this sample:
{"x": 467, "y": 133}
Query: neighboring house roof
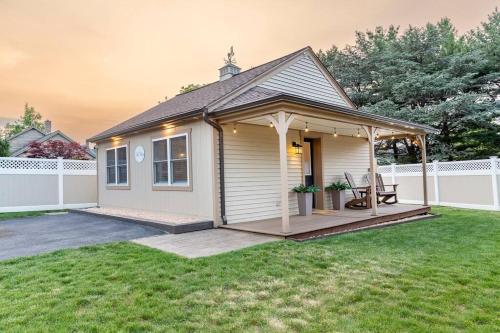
{"x": 56, "y": 135}
{"x": 298, "y": 76}
{"x": 23, "y": 132}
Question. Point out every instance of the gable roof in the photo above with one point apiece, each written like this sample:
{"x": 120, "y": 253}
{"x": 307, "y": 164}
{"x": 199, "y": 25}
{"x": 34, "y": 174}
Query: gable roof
{"x": 195, "y": 100}
{"x": 24, "y": 131}
{"x": 290, "y": 77}
{"x": 48, "y": 137}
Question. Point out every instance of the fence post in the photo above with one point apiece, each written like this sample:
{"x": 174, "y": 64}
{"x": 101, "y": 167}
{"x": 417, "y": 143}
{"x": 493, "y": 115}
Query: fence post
{"x": 435, "y": 165}
{"x": 393, "y": 173}
{"x": 60, "y": 181}
{"x": 494, "y": 181}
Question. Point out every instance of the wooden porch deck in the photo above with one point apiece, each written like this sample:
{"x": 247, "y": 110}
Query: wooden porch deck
{"x": 330, "y": 221}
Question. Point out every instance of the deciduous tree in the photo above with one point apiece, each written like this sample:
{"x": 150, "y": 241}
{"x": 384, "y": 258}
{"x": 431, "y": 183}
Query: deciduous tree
{"x": 55, "y": 149}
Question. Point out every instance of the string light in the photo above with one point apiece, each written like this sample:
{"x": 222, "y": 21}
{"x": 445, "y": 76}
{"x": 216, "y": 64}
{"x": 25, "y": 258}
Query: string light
{"x": 307, "y": 128}
{"x": 358, "y": 135}
{"x": 335, "y": 132}
{"x": 234, "y": 129}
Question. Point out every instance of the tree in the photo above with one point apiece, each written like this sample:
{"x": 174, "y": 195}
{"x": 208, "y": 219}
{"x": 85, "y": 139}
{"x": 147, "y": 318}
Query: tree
{"x": 429, "y": 75}
{"x": 190, "y": 87}
{"x": 4, "y": 147}
{"x": 30, "y": 118}
{"x": 55, "y": 149}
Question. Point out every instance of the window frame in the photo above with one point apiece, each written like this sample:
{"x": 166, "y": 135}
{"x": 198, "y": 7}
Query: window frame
{"x": 127, "y": 165}
{"x": 187, "y": 186}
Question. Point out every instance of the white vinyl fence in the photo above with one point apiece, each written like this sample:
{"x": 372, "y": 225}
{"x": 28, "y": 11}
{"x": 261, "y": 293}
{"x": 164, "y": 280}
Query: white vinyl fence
{"x": 28, "y": 184}
{"x": 466, "y": 184}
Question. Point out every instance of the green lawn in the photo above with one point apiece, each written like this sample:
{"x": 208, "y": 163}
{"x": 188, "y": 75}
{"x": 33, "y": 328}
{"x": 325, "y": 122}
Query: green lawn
{"x": 439, "y": 275}
{"x": 8, "y": 216}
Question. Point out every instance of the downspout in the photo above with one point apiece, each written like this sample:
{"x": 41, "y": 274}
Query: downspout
{"x": 221, "y": 165}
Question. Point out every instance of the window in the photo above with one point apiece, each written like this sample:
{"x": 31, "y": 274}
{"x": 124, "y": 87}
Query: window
{"x": 117, "y": 166}
{"x": 170, "y": 160}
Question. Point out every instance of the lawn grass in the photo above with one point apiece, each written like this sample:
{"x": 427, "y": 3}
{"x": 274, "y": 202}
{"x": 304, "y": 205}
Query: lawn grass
{"x": 15, "y": 215}
{"x": 439, "y": 275}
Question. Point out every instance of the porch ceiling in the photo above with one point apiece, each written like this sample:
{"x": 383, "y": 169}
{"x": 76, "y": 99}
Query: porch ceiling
{"x": 325, "y": 120}
{"x": 314, "y": 124}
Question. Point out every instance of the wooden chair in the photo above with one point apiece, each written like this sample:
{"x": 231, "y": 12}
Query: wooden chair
{"x": 362, "y": 198}
{"x": 382, "y": 192}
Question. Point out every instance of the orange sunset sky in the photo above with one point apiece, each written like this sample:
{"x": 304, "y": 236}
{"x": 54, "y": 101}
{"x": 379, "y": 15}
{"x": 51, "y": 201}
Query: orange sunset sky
{"x": 87, "y": 65}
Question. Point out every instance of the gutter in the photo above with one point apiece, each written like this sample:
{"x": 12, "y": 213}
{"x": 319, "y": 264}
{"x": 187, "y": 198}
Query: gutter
{"x": 221, "y": 165}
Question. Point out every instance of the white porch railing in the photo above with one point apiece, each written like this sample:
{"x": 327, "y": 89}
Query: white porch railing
{"x": 457, "y": 184}
{"x": 28, "y": 184}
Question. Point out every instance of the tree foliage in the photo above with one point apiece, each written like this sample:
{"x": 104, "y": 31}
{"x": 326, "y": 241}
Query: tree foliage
{"x": 428, "y": 75}
{"x": 55, "y": 149}
{"x": 190, "y": 87}
{"x": 30, "y": 118}
{"x": 4, "y": 147}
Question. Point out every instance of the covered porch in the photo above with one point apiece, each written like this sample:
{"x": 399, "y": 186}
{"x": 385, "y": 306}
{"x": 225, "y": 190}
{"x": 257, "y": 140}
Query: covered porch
{"x": 327, "y": 222}
{"x": 296, "y": 126}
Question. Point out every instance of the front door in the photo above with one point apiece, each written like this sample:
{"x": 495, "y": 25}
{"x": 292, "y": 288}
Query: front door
{"x": 308, "y": 156}
{"x": 312, "y": 164}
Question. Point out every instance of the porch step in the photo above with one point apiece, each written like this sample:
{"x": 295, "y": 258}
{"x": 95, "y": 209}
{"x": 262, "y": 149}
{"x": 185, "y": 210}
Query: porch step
{"x": 370, "y": 223}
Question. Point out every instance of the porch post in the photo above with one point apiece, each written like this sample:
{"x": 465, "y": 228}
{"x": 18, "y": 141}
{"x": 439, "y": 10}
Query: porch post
{"x": 423, "y": 150}
{"x": 281, "y": 124}
{"x": 370, "y": 133}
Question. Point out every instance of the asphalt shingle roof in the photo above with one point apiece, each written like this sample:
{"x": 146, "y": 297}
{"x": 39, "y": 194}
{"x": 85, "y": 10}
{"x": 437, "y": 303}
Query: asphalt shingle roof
{"x": 194, "y": 100}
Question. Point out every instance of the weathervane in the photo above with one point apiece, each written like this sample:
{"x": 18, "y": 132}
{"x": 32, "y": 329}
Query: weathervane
{"x": 230, "y": 57}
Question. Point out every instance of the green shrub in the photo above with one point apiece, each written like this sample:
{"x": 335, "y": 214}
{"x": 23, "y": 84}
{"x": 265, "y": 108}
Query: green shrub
{"x": 306, "y": 189}
{"x": 337, "y": 186}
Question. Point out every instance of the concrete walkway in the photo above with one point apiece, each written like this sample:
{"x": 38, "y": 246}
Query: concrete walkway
{"x": 205, "y": 243}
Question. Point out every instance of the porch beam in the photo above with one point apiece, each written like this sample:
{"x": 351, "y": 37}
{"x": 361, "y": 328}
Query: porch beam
{"x": 371, "y": 134}
{"x": 281, "y": 124}
{"x": 423, "y": 150}
{"x": 259, "y": 112}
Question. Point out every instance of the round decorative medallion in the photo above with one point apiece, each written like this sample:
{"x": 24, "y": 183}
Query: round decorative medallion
{"x": 139, "y": 154}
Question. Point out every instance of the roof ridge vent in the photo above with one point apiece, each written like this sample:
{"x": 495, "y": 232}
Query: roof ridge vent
{"x": 229, "y": 69}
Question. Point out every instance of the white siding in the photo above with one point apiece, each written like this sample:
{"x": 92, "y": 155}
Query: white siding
{"x": 252, "y": 173}
{"x": 198, "y": 202}
{"x": 343, "y": 154}
{"x": 304, "y": 79}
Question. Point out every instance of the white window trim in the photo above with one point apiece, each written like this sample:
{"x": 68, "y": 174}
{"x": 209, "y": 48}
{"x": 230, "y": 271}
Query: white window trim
{"x": 169, "y": 161}
{"x": 116, "y": 166}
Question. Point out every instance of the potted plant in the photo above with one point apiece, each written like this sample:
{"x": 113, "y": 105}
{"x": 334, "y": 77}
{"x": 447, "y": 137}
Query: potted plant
{"x": 338, "y": 193}
{"x": 304, "y": 197}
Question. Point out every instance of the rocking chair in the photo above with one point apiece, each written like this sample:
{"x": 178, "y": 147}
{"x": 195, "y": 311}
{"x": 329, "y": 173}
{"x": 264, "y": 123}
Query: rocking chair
{"x": 383, "y": 195}
{"x": 362, "y": 197}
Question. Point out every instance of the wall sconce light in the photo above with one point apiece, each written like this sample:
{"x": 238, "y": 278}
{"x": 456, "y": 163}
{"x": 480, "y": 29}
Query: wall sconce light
{"x": 234, "y": 129}
{"x": 271, "y": 124}
{"x": 358, "y": 135}
{"x": 392, "y": 136}
{"x": 335, "y": 132}
{"x": 307, "y": 128}
{"x": 298, "y": 148}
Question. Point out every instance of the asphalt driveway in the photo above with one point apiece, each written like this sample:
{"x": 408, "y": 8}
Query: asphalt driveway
{"x": 34, "y": 235}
